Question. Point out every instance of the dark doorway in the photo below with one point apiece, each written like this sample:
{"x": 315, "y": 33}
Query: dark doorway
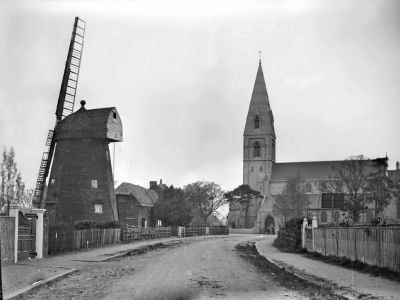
{"x": 269, "y": 225}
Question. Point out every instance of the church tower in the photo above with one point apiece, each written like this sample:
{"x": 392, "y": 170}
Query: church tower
{"x": 259, "y": 138}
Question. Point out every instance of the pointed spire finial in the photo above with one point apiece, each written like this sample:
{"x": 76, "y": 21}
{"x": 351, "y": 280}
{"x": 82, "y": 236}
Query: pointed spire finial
{"x": 259, "y": 54}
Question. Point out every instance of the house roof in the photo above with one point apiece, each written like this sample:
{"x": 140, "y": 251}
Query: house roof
{"x": 144, "y": 196}
{"x": 306, "y": 170}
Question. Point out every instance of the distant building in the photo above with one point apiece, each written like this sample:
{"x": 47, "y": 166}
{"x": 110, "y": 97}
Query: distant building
{"x": 135, "y": 204}
{"x": 262, "y": 173}
{"x": 81, "y": 183}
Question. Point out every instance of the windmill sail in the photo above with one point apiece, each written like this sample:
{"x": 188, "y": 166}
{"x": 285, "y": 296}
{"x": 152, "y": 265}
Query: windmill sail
{"x": 65, "y": 104}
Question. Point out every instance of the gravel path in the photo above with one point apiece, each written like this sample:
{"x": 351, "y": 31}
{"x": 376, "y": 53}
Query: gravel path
{"x": 186, "y": 270}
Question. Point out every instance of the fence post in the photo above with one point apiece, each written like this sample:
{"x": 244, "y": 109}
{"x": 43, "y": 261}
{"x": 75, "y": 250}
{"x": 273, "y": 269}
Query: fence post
{"x": 207, "y": 230}
{"x": 179, "y": 231}
{"x": 303, "y": 233}
{"x": 314, "y": 225}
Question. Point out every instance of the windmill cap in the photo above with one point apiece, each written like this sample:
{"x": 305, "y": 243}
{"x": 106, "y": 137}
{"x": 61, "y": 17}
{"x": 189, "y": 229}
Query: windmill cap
{"x": 83, "y": 102}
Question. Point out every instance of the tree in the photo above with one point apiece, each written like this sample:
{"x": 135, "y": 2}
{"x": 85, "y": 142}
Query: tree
{"x": 173, "y": 209}
{"x": 380, "y": 189}
{"x": 205, "y": 197}
{"x": 12, "y": 188}
{"x": 245, "y": 196}
{"x": 293, "y": 201}
{"x": 351, "y": 178}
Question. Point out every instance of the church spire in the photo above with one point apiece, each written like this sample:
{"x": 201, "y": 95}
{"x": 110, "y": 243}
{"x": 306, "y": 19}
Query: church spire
{"x": 260, "y": 106}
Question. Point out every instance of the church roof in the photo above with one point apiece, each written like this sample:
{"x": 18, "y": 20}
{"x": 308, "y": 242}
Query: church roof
{"x": 260, "y": 106}
{"x": 306, "y": 170}
{"x": 144, "y": 196}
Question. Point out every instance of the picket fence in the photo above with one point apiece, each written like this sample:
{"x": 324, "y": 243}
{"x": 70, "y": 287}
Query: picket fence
{"x": 68, "y": 240}
{"x": 375, "y": 246}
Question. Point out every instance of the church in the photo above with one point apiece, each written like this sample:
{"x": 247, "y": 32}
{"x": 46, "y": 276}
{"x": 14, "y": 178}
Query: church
{"x": 262, "y": 173}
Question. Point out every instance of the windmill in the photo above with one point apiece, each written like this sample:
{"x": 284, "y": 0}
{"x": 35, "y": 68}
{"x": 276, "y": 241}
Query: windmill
{"x": 65, "y": 104}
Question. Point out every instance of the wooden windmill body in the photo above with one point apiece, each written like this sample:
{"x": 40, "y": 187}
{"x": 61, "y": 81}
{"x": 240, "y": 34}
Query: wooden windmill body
{"x": 81, "y": 184}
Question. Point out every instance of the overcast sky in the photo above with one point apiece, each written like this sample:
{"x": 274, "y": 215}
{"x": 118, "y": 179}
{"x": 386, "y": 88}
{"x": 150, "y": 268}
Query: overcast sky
{"x": 181, "y": 73}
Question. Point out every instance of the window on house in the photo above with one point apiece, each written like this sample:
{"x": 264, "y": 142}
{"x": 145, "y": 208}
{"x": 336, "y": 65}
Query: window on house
{"x": 94, "y": 183}
{"x": 257, "y": 122}
{"x": 324, "y": 217}
{"x": 308, "y": 187}
{"x": 252, "y": 169}
{"x": 52, "y": 181}
{"x": 98, "y": 208}
{"x": 256, "y": 149}
{"x": 261, "y": 169}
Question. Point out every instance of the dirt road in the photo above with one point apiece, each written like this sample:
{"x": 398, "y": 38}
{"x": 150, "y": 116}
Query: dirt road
{"x": 190, "y": 270}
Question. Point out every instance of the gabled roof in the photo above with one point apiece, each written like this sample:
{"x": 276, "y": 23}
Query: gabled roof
{"x": 144, "y": 196}
{"x": 306, "y": 170}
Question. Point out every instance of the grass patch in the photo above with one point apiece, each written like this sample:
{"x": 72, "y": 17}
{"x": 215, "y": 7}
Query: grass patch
{"x": 316, "y": 289}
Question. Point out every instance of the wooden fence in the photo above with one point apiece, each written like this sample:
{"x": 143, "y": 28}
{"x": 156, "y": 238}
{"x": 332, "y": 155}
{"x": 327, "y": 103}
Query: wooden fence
{"x": 219, "y": 230}
{"x": 68, "y": 240}
{"x": 130, "y": 233}
{"x": 7, "y": 237}
{"x": 376, "y": 246}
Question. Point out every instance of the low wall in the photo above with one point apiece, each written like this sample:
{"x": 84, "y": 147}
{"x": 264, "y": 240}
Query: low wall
{"x": 7, "y": 238}
{"x": 130, "y": 233}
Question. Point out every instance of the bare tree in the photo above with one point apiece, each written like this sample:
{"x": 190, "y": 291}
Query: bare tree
{"x": 351, "y": 179}
{"x": 381, "y": 189}
{"x": 205, "y": 197}
{"x": 293, "y": 200}
{"x": 245, "y": 196}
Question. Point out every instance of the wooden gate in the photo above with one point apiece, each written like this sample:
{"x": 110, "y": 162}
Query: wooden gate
{"x": 26, "y": 236}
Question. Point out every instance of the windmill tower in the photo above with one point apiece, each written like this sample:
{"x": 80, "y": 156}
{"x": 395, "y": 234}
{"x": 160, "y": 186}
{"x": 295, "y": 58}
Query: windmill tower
{"x": 81, "y": 184}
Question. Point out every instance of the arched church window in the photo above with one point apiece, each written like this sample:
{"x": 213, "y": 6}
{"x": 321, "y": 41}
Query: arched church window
{"x": 308, "y": 187}
{"x": 256, "y": 149}
{"x": 257, "y": 122}
{"x": 336, "y": 216}
{"x": 324, "y": 217}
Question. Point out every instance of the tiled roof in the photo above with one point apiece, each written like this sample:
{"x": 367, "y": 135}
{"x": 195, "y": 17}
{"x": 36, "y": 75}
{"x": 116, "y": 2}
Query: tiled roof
{"x": 306, "y": 170}
{"x": 144, "y": 196}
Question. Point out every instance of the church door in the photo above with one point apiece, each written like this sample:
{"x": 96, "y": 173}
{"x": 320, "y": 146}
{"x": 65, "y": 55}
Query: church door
{"x": 269, "y": 225}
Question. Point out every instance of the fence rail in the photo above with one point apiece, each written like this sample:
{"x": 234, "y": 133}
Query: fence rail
{"x": 376, "y": 246}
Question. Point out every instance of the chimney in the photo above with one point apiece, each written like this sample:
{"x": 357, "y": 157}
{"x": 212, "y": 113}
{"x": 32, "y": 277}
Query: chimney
{"x": 160, "y": 181}
{"x": 397, "y": 166}
{"x": 153, "y": 184}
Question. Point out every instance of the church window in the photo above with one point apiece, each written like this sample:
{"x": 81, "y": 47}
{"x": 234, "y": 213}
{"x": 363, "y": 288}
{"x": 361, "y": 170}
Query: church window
{"x": 308, "y": 187}
{"x": 336, "y": 216}
{"x": 324, "y": 217}
{"x": 256, "y": 149}
{"x": 261, "y": 169}
{"x": 273, "y": 150}
{"x": 252, "y": 169}
{"x": 257, "y": 122}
